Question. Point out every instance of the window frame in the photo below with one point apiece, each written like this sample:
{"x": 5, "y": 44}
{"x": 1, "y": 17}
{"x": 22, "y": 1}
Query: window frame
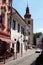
{"x": 3, "y": 1}
{"x": 28, "y": 21}
{"x": 14, "y": 26}
{"x": 18, "y": 27}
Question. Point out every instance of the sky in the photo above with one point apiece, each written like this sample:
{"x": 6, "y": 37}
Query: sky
{"x": 36, "y": 11}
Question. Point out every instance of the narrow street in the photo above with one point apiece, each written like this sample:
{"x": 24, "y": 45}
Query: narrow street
{"x": 28, "y": 60}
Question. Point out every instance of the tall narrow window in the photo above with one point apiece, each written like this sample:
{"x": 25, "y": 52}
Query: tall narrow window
{"x": 3, "y": 1}
{"x": 14, "y": 26}
{"x": 9, "y": 20}
{"x": 18, "y": 28}
{"x": 29, "y": 33}
{"x": 2, "y": 22}
{"x": 12, "y": 45}
{"x": 22, "y": 30}
{"x": 9, "y": 8}
{"x": 28, "y": 22}
{"x": 3, "y": 10}
{"x": 0, "y": 19}
{"x": 10, "y": 2}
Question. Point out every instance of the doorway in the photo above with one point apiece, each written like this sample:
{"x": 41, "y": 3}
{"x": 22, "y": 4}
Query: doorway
{"x": 18, "y": 46}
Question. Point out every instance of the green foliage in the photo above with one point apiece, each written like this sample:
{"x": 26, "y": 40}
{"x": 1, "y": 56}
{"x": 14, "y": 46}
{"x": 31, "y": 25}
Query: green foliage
{"x": 36, "y": 35}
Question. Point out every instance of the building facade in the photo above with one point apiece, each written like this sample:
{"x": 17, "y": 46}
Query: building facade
{"x": 18, "y": 27}
{"x": 21, "y": 30}
{"x": 14, "y": 27}
{"x": 5, "y": 11}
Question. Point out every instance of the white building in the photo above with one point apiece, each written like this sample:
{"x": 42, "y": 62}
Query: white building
{"x": 18, "y": 27}
{"x": 21, "y": 31}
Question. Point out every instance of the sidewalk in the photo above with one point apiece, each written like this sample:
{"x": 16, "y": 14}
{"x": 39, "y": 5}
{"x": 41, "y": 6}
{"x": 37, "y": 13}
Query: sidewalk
{"x": 28, "y": 52}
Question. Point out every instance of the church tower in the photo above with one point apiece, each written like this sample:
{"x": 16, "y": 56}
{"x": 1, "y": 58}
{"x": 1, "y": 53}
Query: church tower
{"x": 29, "y": 22}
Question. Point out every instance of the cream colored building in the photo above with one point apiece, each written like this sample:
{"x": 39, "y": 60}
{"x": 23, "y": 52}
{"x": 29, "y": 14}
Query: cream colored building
{"x": 18, "y": 27}
{"x": 21, "y": 31}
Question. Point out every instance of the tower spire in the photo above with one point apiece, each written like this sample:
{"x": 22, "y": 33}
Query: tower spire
{"x": 27, "y": 3}
{"x": 27, "y": 15}
{"x": 27, "y": 8}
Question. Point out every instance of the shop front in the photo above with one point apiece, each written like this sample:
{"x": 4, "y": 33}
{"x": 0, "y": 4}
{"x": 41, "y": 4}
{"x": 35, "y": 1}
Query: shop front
{"x": 5, "y": 44}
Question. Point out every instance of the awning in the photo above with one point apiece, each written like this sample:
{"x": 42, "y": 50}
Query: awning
{"x": 8, "y": 40}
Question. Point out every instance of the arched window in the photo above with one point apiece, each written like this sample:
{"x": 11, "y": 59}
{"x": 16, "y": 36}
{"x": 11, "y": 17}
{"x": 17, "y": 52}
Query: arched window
{"x": 9, "y": 21}
{"x": 3, "y": 1}
{"x": 10, "y": 2}
{"x": 0, "y": 19}
{"x": 3, "y": 10}
{"x": 29, "y": 33}
{"x": 28, "y": 22}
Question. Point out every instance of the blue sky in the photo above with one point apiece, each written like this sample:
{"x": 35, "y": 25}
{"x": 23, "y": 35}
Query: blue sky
{"x": 36, "y": 10}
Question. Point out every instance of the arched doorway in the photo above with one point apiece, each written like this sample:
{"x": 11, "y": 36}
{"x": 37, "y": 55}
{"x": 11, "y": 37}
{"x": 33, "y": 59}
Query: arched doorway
{"x": 18, "y": 46}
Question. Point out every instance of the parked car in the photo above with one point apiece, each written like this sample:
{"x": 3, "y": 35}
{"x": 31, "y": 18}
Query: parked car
{"x": 38, "y": 50}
